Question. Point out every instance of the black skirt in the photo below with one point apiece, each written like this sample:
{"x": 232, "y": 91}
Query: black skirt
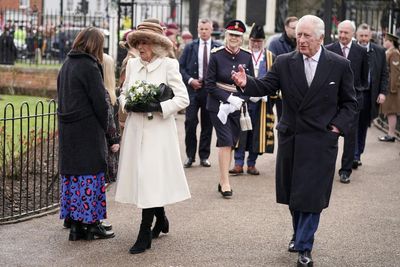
{"x": 227, "y": 134}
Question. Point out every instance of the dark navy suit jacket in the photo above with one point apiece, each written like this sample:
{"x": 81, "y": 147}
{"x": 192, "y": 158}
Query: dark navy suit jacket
{"x": 359, "y": 63}
{"x": 188, "y": 62}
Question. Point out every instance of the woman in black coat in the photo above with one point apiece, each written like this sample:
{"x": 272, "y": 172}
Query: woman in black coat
{"x": 82, "y": 117}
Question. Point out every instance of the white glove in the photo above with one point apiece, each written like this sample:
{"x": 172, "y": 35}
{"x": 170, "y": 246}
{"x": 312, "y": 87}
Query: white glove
{"x": 237, "y": 102}
{"x": 264, "y": 98}
{"x": 254, "y": 99}
{"x": 224, "y": 111}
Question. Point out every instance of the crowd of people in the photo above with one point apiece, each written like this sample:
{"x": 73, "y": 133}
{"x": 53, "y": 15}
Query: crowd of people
{"x": 320, "y": 93}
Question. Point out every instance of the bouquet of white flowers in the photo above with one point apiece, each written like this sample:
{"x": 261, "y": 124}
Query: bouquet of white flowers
{"x": 146, "y": 97}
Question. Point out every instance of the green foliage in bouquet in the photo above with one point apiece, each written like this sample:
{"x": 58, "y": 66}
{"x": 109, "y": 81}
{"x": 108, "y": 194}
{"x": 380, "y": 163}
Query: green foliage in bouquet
{"x": 142, "y": 92}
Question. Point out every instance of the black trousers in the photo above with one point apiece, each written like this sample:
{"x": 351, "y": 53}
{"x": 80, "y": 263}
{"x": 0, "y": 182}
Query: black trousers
{"x": 198, "y": 101}
{"x": 349, "y": 145}
{"x": 364, "y": 122}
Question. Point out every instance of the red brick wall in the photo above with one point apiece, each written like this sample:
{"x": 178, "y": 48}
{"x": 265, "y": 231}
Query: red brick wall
{"x": 30, "y": 81}
{"x": 14, "y": 4}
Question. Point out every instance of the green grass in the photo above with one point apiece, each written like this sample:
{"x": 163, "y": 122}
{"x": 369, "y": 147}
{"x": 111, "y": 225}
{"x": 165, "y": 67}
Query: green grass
{"x": 39, "y": 66}
{"x": 36, "y": 127}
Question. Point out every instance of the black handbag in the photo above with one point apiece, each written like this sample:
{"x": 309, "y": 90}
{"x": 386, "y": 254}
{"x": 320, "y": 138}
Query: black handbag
{"x": 166, "y": 92}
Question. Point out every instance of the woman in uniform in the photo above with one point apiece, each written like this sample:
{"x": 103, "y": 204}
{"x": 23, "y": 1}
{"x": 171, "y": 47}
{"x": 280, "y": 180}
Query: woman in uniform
{"x": 221, "y": 89}
{"x": 391, "y": 106}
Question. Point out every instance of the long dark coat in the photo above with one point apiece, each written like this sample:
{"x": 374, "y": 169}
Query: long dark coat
{"x": 379, "y": 76}
{"x": 307, "y": 148}
{"x": 8, "y": 51}
{"x": 82, "y": 116}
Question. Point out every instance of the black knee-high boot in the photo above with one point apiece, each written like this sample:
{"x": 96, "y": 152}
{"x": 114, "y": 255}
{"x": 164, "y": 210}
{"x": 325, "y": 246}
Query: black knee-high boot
{"x": 162, "y": 223}
{"x": 143, "y": 241}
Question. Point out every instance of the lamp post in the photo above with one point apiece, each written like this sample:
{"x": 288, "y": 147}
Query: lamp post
{"x": 61, "y": 11}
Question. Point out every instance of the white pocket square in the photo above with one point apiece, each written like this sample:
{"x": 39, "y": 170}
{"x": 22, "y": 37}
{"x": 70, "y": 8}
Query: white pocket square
{"x": 331, "y": 83}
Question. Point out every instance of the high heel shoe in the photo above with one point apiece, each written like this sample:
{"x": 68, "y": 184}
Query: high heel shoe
{"x": 225, "y": 194}
{"x": 162, "y": 225}
{"x": 96, "y": 230}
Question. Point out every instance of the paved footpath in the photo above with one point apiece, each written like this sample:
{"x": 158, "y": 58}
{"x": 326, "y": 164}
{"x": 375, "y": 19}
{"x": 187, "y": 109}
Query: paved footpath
{"x": 360, "y": 228}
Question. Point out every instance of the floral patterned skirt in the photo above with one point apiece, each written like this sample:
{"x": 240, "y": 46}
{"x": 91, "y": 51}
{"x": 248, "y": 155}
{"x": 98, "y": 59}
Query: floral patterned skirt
{"x": 83, "y": 197}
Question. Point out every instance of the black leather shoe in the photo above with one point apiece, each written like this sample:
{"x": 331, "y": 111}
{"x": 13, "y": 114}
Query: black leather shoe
{"x": 355, "y": 164}
{"x": 188, "y": 162}
{"x": 107, "y": 226}
{"x": 305, "y": 259}
{"x": 387, "y": 138}
{"x": 344, "y": 178}
{"x": 291, "y": 246}
{"x": 226, "y": 194}
{"x": 205, "y": 163}
{"x": 96, "y": 230}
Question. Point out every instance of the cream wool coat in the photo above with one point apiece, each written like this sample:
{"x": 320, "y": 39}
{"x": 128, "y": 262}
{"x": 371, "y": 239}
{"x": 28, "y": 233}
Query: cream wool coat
{"x": 150, "y": 172}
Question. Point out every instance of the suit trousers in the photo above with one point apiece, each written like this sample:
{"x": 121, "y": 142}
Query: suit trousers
{"x": 364, "y": 122}
{"x": 305, "y": 224}
{"x": 349, "y": 144}
{"x": 198, "y": 100}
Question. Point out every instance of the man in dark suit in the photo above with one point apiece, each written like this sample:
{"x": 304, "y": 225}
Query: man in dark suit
{"x": 319, "y": 103}
{"x": 359, "y": 65}
{"x": 193, "y": 66}
{"x": 376, "y": 91}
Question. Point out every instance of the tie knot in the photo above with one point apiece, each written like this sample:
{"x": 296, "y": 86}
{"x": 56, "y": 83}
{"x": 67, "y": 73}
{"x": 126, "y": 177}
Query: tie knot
{"x": 205, "y": 43}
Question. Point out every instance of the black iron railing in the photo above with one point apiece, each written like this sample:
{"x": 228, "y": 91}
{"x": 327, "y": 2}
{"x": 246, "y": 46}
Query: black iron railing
{"x": 29, "y": 180}
{"x": 32, "y": 37}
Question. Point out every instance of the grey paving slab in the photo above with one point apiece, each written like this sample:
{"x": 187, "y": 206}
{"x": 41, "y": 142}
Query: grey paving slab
{"x": 360, "y": 228}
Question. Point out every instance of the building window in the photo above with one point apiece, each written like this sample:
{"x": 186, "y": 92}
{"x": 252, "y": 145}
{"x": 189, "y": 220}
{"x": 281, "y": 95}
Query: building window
{"x": 23, "y": 3}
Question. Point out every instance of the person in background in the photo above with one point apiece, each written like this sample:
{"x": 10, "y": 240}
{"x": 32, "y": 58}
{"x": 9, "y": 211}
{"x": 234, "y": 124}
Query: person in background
{"x": 112, "y": 134}
{"x": 285, "y": 43}
{"x": 260, "y": 139}
{"x": 187, "y": 38}
{"x": 150, "y": 171}
{"x": 223, "y": 94}
{"x": 376, "y": 93}
{"x": 131, "y": 53}
{"x": 82, "y": 123}
{"x": 359, "y": 65}
{"x": 193, "y": 67}
{"x": 319, "y": 104}
{"x": 391, "y": 107}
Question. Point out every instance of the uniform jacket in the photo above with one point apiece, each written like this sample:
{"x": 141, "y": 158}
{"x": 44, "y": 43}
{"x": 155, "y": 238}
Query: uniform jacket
{"x": 392, "y": 102}
{"x": 150, "y": 172}
{"x": 221, "y": 64}
{"x": 307, "y": 148}
{"x": 188, "y": 62}
{"x": 82, "y": 116}
{"x": 379, "y": 76}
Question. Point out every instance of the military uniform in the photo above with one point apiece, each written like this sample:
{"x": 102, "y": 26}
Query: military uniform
{"x": 220, "y": 86}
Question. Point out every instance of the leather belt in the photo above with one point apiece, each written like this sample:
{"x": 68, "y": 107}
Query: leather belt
{"x": 227, "y": 87}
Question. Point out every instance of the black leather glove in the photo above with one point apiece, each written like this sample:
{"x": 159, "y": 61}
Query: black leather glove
{"x": 128, "y": 108}
{"x": 166, "y": 92}
{"x": 148, "y": 107}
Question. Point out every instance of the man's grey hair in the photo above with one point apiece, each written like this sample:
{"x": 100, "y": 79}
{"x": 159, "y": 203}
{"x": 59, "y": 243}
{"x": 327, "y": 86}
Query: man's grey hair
{"x": 347, "y": 22}
{"x": 364, "y": 27}
{"x": 205, "y": 20}
{"x": 319, "y": 25}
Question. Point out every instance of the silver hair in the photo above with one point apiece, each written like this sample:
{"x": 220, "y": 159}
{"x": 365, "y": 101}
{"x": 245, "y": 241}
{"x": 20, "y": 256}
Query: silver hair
{"x": 349, "y": 22}
{"x": 159, "y": 51}
{"x": 205, "y": 20}
{"x": 319, "y": 25}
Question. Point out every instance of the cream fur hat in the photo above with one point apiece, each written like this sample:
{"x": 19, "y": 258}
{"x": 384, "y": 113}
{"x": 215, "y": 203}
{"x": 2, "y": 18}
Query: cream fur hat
{"x": 151, "y": 30}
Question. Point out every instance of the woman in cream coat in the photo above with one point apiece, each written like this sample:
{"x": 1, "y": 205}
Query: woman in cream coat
{"x": 150, "y": 172}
